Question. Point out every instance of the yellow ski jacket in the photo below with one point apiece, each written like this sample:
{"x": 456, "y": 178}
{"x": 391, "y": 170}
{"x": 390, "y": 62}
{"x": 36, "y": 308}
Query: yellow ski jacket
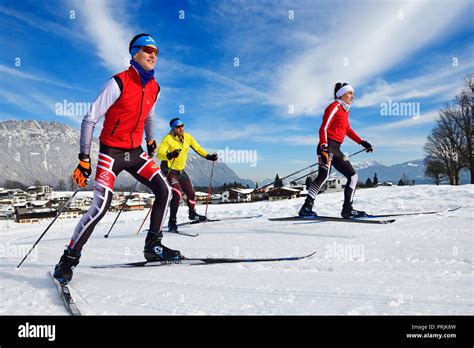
{"x": 171, "y": 142}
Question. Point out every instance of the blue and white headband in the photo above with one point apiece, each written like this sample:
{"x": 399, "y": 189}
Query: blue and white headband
{"x": 140, "y": 42}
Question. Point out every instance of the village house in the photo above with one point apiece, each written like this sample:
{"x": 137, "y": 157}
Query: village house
{"x": 236, "y": 195}
{"x": 335, "y": 184}
{"x": 280, "y": 193}
{"x": 33, "y": 211}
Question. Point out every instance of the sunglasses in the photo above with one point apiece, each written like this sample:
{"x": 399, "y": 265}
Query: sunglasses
{"x": 180, "y": 126}
{"x": 148, "y": 49}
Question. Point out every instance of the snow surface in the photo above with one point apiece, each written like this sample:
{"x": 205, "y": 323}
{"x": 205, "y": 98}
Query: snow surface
{"x": 418, "y": 265}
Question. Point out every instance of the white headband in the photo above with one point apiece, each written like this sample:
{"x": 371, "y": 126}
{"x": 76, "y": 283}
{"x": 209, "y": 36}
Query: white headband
{"x": 343, "y": 90}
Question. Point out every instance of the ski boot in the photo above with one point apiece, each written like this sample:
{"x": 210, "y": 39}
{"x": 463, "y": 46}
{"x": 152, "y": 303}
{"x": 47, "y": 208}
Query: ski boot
{"x": 172, "y": 226}
{"x": 155, "y": 251}
{"x": 307, "y": 208}
{"x": 349, "y": 212}
{"x": 63, "y": 270}
{"x": 195, "y": 216}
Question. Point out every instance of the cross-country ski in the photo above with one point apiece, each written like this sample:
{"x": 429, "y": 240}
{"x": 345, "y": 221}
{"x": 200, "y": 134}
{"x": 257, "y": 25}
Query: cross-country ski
{"x": 205, "y": 261}
{"x": 66, "y": 296}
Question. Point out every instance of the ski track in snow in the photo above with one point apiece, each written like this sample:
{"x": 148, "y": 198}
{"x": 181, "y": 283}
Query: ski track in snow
{"x": 417, "y": 265}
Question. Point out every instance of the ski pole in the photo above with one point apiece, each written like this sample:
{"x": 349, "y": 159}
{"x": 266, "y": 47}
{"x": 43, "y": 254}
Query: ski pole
{"x": 149, "y": 211}
{"x": 298, "y": 171}
{"x": 121, "y": 209}
{"x": 315, "y": 171}
{"x": 49, "y": 226}
{"x": 209, "y": 189}
{"x": 143, "y": 222}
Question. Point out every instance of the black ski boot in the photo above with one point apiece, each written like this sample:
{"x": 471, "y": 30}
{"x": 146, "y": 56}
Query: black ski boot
{"x": 195, "y": 216}
{"x": 172, "y": 226}
{"x": 349, "y": 212}
{"x": 307, "y": 208}
{"x": 67, "y": 262}
{"x": 155, "y": 251}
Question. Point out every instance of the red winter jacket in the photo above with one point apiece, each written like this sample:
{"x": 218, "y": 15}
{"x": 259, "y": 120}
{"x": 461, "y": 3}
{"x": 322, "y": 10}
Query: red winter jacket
{"x": 336, "y": 125}
{"x": 125, "y": 119}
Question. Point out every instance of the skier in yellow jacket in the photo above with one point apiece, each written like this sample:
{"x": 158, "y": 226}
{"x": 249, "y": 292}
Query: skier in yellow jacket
{"x": 173, "y": 152}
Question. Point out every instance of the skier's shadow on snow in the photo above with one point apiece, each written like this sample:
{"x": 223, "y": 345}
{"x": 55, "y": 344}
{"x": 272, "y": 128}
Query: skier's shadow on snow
{"x": 40, "y": 283}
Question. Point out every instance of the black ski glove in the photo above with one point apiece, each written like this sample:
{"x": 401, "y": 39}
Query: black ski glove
{"x": 173, "y": 154}
{"x": 212, "y": 157}
{"x": 368, "y": 147}
{"x": 151, "y": 148}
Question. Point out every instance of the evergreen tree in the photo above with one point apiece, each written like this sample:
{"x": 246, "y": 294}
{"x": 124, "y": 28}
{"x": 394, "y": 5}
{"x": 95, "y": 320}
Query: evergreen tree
{"x": 278, "y": 182}
{"x": 368, "y": 183}
{"x": 376, "y": 180}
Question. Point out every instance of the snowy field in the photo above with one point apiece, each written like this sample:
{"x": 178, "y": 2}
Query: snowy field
{"x": 417, "y": 265}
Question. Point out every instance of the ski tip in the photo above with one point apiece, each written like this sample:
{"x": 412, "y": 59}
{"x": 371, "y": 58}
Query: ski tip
{"x": 309, "y": 255}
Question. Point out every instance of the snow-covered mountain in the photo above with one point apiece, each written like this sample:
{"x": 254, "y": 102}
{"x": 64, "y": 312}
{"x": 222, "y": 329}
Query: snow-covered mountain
{"x": 414, "y": 170}
{"x": 366, "y": 164}
{"x": 47, "y": 151}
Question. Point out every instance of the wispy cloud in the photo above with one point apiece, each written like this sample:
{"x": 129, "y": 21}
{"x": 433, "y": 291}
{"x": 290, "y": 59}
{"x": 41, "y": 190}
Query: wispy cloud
{"x": 436, "y": 82}
{"x": 110, "y": 37}
{"x": 370, "y": 39}
{"x": 406, "y": 122}
{"x": 41, "y": 23}
{"x": 38, "y": 78}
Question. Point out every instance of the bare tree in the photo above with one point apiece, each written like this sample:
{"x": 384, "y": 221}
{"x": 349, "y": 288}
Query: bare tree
{"x": 450, "y": 142}
{"x": 465, "y": 121}
{"x": 443, "y": 148}
{"x": 435, "y": 170}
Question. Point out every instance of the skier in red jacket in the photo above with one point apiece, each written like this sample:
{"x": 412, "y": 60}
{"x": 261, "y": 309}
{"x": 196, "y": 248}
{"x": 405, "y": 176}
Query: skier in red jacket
{"x": 127, "y": 103}
{"x": 333, "y": 130}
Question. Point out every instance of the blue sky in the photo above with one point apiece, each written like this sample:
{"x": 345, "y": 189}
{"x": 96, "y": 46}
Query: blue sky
{"x": 290, "y": 55}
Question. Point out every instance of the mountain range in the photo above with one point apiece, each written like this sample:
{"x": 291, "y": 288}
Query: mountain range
{"x": 414, "y": 170}
{"x": 47, "y": 152}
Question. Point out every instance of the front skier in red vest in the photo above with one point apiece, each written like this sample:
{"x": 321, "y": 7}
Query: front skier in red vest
{"x": 333, "y": 130}
{"x": 127, "y": 103}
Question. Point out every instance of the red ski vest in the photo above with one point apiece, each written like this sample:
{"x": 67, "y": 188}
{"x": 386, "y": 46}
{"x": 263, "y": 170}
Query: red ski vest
{"x": 336, "y": 125}
{"x": 125, "y": 120}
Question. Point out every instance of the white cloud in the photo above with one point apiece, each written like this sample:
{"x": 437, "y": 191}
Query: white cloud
{"x": 406, "y": 122}
{"x": 371, "y": 38}
{"x": 109, "y": 37}
{"x": 443, "y": 83}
